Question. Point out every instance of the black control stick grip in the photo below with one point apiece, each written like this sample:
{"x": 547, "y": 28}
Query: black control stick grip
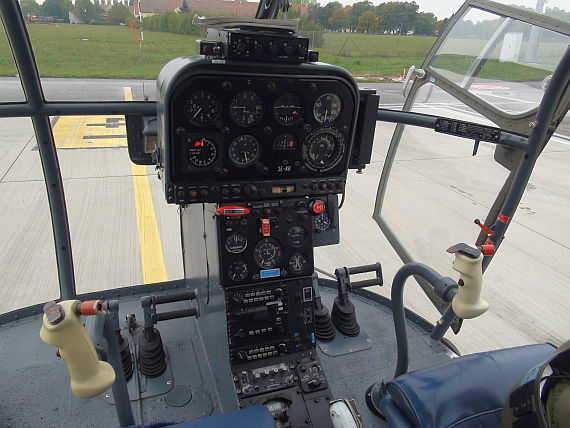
{"x": 366, "y": 283}
{"x": 175, "y": 297}
{"x": 376, "y": 267}
{"x": 177, "y": 314}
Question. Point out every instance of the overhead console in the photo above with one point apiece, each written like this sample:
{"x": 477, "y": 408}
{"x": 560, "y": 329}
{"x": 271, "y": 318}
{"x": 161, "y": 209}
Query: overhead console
{"x": 234, "y": 131}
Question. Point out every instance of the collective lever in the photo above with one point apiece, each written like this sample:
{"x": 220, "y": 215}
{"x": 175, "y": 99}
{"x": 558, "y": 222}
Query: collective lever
{"x": 62, "y": 328}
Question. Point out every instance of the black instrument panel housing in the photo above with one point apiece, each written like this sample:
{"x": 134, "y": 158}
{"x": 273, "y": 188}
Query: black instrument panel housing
{"x": 276, "y": 173}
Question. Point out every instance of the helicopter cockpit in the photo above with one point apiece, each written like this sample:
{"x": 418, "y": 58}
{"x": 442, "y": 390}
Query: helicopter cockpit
{"x": 254, "y": 143}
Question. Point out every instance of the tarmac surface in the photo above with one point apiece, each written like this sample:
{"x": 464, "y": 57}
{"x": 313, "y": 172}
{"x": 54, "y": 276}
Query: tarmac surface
{"x": 123, "y": 232}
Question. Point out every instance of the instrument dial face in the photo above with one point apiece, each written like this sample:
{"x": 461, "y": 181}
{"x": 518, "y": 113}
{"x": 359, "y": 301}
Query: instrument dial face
{"x": 327, "y": 108}
{"x": 296, "y": 236}
{"x": 244, "y": 150}
{"x": 288, "y": 109}
{"x": 236, "y": 243}
{"x": 202, "y": 152}
{"x": 238, "y": 271}
{"x": 246, "y": 108}
{"x": 267, "y": 253}
{"x": 298, "y": 263}
{"x": 322, "y": 221}
{"x": 323, "y": 149}
{"x": 285, "y": 142}
{"x": 202, "y": 107}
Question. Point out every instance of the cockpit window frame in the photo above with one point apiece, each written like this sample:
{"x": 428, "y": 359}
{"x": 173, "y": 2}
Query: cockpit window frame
{"x": 516, "y": 123}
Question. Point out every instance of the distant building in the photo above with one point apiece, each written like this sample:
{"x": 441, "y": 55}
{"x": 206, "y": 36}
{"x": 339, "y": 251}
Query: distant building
{"x": 74, "y": 19}
{"x": 214, "y": 7}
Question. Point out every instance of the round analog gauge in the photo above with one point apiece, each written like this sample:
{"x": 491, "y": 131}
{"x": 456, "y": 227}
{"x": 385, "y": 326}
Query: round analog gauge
{"x": 236, "y": 243}
{"x": 201, "y": 152}
{"x": 202, "y": 107}
{"x": 238, "y": 271}
{"x": 296, "y": 236}
{"x": 327, "y": 108}
{"x": 267, "y": 253}
{"x": 322, "y": 221}
{"x": 298, "y": 263}
{"x": 244, "y": 150}
{"x": 323, "y": 149}
{"x": 285, "y": 142}
{"x": 288, "y": 109}
{"x": 246, "y": 108}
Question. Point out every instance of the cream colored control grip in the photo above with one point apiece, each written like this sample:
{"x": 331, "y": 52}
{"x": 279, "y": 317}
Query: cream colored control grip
{"x": 468, "y": 303}
{"x": 63, "y": 329}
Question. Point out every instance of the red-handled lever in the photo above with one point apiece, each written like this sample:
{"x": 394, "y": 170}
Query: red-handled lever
{"x": 484, "y": 228}
{"x": 488, "y": 248}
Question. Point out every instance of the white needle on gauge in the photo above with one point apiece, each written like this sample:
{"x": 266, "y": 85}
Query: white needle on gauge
{"x": 197, "y": 112}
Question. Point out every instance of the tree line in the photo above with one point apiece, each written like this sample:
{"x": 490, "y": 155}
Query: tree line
{"x": 364, "y": 17}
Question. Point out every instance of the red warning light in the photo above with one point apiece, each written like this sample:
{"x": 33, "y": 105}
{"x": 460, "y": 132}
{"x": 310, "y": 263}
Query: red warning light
{"x": 291, "y": 143}
{"x": 199, "y": 143}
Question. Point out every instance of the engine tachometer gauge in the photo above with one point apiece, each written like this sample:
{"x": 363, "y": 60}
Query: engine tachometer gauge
{"x": 238, "y": 271}
{"x": 244, "y": 150}
{"x": 246, "y": 108}
{"x": 202, "y": 107}
{"x": 288, "y": 109}
{"x": 236, "y": 243}
{"x": 201, "y": 152}
{"x": 267, "y": 253}
{"x": 298, "y": 263}
{"x": 327, "y": 108}
{"x": 323, "y": 149}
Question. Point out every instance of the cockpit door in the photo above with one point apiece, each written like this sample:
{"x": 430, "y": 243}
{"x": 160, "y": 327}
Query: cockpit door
{"x": 490, "y": 66}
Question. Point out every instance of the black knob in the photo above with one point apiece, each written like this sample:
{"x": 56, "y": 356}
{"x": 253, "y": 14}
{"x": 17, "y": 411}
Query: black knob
{"x": 240, "y": 47}
{"x": 225, "y": 191}
{"x": 204, "y": 193}
{"x": 323, "y": 186}
{"x": 236, "y": 191}
{"x": 226, "y": 85}
{"x": 282, "y": 348}
{"x": 250, "y": 189}
{"x": 272, "y": 49}
{"x": 314, "y": 186}
{"x": 331, "y": 185}
{"x": 302, "y": 50}
{"x": 278, "y": 292}
{"x": 288, "y": 50}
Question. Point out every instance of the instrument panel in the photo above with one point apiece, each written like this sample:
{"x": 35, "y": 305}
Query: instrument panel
{"x": 236, "y": 136}
{"x": 274, "y": 239}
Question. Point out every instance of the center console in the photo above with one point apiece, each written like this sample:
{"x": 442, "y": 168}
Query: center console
{"x": 266, "y": 148}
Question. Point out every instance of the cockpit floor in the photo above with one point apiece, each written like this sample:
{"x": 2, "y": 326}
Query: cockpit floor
{"x": 35, "y": 383}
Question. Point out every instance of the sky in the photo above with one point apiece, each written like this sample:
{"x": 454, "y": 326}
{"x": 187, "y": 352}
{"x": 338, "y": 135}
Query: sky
{"x": 444, "y": 8}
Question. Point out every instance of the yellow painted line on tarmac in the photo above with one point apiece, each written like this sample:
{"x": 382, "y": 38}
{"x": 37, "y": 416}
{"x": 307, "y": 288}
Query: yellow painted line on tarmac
{"x": 80, "y": 132}
{"x": 152, "y": 257}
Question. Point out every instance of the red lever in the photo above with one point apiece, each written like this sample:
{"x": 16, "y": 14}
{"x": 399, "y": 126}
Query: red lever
{"x": 484, "y": 228}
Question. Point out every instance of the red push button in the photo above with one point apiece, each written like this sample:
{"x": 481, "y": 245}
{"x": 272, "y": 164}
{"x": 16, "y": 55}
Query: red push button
{"x": 317, "y": 207}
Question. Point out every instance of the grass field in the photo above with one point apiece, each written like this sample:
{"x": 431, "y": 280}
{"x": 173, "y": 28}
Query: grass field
{"x": 67, "y": 50}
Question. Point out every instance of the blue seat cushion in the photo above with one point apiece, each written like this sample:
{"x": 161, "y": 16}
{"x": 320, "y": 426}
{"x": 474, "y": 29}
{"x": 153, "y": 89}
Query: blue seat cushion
{"x": 256, "y": 416}
{"x": 468, "y": 391}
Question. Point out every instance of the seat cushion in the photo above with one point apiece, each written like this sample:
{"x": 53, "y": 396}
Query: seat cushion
{"x": 256, "y": 416}
{"x": 468, "y": 391}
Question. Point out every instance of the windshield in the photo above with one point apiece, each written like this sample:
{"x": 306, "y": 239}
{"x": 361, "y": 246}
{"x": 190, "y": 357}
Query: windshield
{"x": 505, "y": 62}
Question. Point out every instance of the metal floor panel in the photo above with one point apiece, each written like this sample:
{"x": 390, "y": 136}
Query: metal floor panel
{"x": 35, "y": 383}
